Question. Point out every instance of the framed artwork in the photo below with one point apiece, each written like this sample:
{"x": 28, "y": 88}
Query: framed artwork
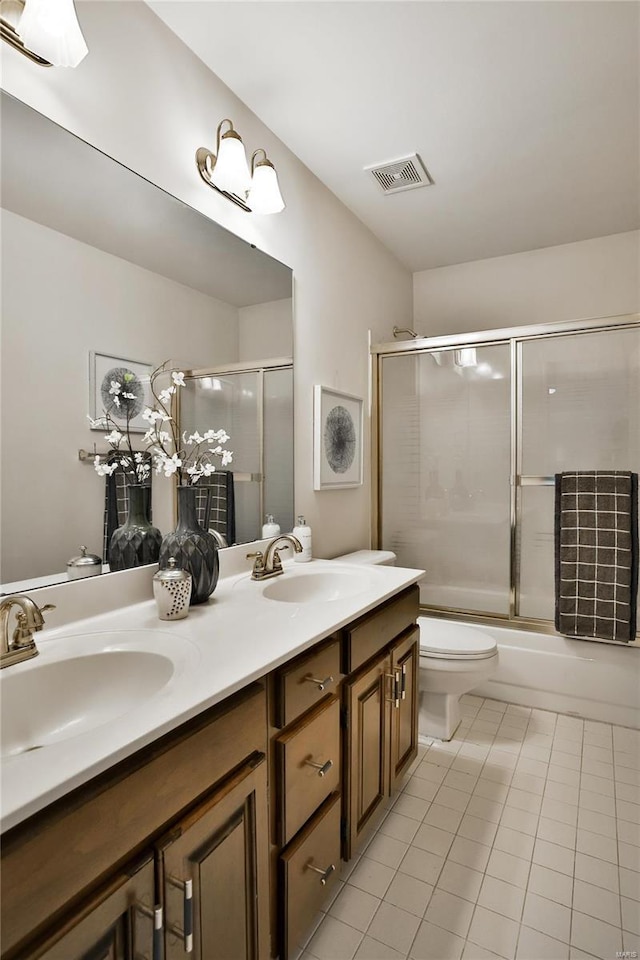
{"x": 120, "y": 388}
{"x": 337, "y": 439}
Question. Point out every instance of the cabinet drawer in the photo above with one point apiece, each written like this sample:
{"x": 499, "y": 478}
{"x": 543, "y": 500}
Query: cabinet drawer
{"x": 368, "y": 636}
{"x": 302, "y": 889}
{"x": 308, "y": 766}
{"x": 304, "y": 682}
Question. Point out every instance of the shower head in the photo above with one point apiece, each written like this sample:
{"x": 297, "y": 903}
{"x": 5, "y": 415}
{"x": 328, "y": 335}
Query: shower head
{"x": 399, "y": 331}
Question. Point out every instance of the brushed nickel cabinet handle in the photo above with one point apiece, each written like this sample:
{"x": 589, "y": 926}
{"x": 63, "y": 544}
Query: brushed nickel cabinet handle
{"x": 156, "y": 916}
{"x": 322, "y": 768}
{"x": 395, "y": 695}
{"x": 403, "y": 687}
{"x": 324, "y": 874}
{"x": 321, "y": 683}
{"x": 186, "y": 934}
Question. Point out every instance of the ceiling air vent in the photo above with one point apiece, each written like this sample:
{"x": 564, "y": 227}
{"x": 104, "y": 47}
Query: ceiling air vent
{"x": 408, "y": 173}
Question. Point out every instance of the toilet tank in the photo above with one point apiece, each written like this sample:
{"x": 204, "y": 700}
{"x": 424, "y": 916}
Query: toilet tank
{"x": 385, "y": 557}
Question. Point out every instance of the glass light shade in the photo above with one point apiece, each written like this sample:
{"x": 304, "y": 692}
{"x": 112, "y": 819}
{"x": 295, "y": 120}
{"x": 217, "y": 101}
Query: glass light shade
{"x": 231, "y": 172}
{"x": 50, "y": 28}
{"x": 264, "y": 195}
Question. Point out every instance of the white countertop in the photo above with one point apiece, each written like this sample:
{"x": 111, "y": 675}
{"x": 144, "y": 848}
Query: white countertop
{"x": 236, "y": 637}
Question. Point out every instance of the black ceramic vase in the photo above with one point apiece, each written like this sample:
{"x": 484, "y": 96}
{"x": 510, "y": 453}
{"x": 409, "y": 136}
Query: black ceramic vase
{"x": 137, "y": 541}
{"x": 193, "y": 547}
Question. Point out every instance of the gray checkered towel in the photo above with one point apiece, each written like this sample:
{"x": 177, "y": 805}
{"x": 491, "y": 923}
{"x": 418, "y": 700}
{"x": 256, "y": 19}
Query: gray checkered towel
{"x": 596, "y": 538}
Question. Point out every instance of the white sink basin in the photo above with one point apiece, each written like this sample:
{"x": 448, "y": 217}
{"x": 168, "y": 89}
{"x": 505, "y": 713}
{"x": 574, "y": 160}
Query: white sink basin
{"x": 317, "y": 587}
{"x": 82, "y": 684}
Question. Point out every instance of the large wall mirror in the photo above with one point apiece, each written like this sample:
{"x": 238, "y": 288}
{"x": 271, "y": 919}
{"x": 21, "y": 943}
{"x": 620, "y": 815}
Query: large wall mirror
{"x": 99, "y": 263}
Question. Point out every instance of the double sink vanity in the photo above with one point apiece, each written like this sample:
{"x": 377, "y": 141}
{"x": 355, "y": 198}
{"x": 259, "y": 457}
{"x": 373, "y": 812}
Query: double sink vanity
{"x": 190, "y": 788}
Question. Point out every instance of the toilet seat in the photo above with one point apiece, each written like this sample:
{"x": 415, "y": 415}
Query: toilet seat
{"x": 453, "y": 641}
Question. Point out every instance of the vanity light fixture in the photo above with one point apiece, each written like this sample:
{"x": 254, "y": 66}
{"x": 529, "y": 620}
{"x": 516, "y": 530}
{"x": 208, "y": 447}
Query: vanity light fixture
{"x": 255, "y": 188}
{"x": 45, "y": 31}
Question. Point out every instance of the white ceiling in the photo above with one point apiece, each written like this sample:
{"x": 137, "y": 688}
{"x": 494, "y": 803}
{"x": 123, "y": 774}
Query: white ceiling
{"x": 526, "y": 114}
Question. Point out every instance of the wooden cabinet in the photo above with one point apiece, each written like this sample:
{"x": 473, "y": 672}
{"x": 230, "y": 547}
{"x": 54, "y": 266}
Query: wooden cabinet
{"x": 117, "y": 923}
{"x": 214, "y": 873}
{"x": 405, "y": 669}
{"x": 366, "y": 766}
{"x": 55, "y": 864}
{"x": 174, "y": 851}
{"x": 380, "y": 702}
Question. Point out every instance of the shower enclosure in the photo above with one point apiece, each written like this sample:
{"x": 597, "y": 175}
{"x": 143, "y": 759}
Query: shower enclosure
{"x": 469, "y": 431}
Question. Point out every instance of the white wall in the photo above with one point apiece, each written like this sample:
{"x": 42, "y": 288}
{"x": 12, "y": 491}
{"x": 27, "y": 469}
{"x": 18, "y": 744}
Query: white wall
{"x": 148, "y": 101}
{"x": 61, "y": 299}
{"x": 592, "y": 278}
{"x": 265, "y": 331}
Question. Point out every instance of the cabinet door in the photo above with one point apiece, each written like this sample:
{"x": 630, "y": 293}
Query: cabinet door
{"x": 115, "y": 924}
{"x": 405, "y": 667}
{"x": 214, "y": 868}
{"x": 366, "y": 773}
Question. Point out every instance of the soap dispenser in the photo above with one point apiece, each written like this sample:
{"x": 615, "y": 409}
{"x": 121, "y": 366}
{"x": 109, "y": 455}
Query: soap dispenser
{"x": 270, "y": 528}
{"x": 303, "y": 532}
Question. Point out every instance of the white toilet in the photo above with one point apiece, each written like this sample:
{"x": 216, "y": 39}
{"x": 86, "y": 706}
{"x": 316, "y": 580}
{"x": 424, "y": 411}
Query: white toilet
{"x": 454, "y": 658}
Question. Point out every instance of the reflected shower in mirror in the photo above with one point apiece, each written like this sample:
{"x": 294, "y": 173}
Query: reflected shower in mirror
{"x": 251, "y": 402}
{"x": 98, "y": 261}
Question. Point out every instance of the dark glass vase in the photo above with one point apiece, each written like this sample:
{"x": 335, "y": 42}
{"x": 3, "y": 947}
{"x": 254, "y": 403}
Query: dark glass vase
{"x": 193, "y": 547}
{"x": 137, "y": 541}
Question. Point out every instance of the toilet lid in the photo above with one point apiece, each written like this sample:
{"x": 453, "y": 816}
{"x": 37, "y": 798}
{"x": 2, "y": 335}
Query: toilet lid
{"x": 441, "y": 638}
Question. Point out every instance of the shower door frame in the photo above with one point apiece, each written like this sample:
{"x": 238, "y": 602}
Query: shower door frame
{"x": 258, "y": 367}
{"x": 514, "y": 338}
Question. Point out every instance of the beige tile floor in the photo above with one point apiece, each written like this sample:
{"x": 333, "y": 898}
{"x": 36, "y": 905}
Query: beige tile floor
{"x": 519, "y": 839}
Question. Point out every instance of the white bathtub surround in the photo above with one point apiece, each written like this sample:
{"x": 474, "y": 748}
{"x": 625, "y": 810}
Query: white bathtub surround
{"x": 598, "y": 681}
{"x": 454, "y": 659}
{"x": 504, "y": 843}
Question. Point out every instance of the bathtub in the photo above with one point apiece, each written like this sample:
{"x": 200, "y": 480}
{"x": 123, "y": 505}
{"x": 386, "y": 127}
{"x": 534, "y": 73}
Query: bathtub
{"x": 597, "y": 681}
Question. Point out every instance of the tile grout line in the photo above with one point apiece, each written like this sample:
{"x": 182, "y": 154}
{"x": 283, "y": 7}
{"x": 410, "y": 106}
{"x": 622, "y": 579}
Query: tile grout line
{"x": 488, "y": 745}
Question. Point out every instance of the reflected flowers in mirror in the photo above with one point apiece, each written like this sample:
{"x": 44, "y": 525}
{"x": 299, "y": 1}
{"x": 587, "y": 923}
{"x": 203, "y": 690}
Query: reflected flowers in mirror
{"x": 188, "y": 457}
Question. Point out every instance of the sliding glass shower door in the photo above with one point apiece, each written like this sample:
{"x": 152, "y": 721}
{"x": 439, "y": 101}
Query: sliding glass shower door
{"x": 579, "y": 409}
{"x": 470, "y": 435}
{"x": 445, "y": 461}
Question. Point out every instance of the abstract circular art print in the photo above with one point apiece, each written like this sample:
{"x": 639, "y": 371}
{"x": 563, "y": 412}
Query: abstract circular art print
{"x": 339, "y": 439}
{"x": 128, "y": 407}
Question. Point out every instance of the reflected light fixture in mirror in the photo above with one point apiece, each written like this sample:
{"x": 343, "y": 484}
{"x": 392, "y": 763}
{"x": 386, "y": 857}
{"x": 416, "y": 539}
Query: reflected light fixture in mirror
{"x": 45, "y": 31}
{"x": 254, "y": 190}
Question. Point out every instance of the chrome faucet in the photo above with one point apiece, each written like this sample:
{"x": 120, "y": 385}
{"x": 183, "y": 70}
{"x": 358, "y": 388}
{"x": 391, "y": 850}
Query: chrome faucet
{"x": 269, "y": 564}
{"x": 28, "y": 622}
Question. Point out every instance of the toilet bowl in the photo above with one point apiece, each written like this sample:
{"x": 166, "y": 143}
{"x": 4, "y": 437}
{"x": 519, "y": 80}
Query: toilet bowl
{"x": 454, "y": 658}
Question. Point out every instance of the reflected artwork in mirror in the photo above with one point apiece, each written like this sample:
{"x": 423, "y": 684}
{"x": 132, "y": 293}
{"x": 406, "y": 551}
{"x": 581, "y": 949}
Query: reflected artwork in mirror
{"x": 100, "y": 266}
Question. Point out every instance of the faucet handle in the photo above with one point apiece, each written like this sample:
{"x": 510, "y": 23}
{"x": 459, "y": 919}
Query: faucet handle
{"x": 258, "y": 566}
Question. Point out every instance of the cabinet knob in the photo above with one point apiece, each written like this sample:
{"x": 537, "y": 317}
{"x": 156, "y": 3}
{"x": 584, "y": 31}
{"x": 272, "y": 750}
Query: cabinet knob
{"x": 322, "y": 768}
{"x": 324, "y": 874}
{"x": 186, "y": 933}
{"x": 321, "y": 683}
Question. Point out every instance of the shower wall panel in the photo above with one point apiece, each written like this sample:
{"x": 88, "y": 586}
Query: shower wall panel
{"x": 445, "y": 455}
